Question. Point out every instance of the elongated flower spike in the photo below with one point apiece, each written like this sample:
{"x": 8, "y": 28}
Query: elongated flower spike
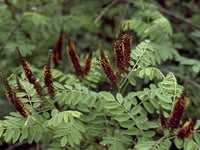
{"x": 55, "y": 58}
{"x": 178, "y": 110}
{"x": 122, "y": 49}
{"x": 12, "y": 97}
{"x": 74, "y": 58}
{"x": 105, "y": 65}
{"x": 127, "y": 42}
{"x": 88, "y": 63}
{"x": 162, "y": 119}
{"x": 29, "y": 74}
{"x": 119, "y": 55}
{"x": 188, "y": 129}
{"x": 48, "y": 76}
{"x": 58, "y": 50}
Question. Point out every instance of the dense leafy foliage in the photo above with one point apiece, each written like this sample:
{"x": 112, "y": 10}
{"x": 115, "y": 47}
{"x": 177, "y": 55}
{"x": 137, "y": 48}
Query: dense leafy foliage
{"x": 86, "y": 112}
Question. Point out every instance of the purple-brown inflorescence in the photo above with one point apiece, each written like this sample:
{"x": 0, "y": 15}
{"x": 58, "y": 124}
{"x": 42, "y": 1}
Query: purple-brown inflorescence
{"x": 105, "y": 65}
{"x": 127, "y": 42}
{"x": 48, "y": 76}
{"x": 122, "y": 49}
{"x": 178, "y": 110}
{"x": 58, "y": 50}
{"x": 15, "y": 101}
{"x": 74, "y": 58}
{"x": 119, "y": 55}
{"x": 29, "y": 74}
{"x": 188, "y": 129}
{"x": 162, "y": 119}
{"x": 88, "y": 63}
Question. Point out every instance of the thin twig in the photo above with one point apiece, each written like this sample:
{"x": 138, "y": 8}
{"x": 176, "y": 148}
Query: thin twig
{"x": 12, "y": 32}
{"x": 166, "y": 12}
{"x": 181, "y": 77}
{"x": 105, "y": 9}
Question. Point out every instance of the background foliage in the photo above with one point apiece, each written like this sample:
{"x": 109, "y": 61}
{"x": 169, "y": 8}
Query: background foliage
{"x": 165, "y": 49}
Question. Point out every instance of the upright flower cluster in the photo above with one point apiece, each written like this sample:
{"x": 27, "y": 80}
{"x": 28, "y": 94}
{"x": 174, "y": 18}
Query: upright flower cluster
{"x": 187, "y": 130}
{"x": 29, "y": 74}
{"x": 122, "y": 49}
{"x": 12, "y": 97}
{"x": 127, "y": 42}
{"x": 74, "y": 58}
{"x": 177, "y": 112}
{"x": 48, "y": 76}
{"x": 105, "y": 65}
{"x": 76, "y": 62}
{"x": 88, "y": 63}
{"x": 119, "y": 55}
{"x": 58, "y": 50}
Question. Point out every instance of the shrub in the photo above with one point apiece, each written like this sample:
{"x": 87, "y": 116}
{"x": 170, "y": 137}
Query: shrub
{"x": 126, "y": 98}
